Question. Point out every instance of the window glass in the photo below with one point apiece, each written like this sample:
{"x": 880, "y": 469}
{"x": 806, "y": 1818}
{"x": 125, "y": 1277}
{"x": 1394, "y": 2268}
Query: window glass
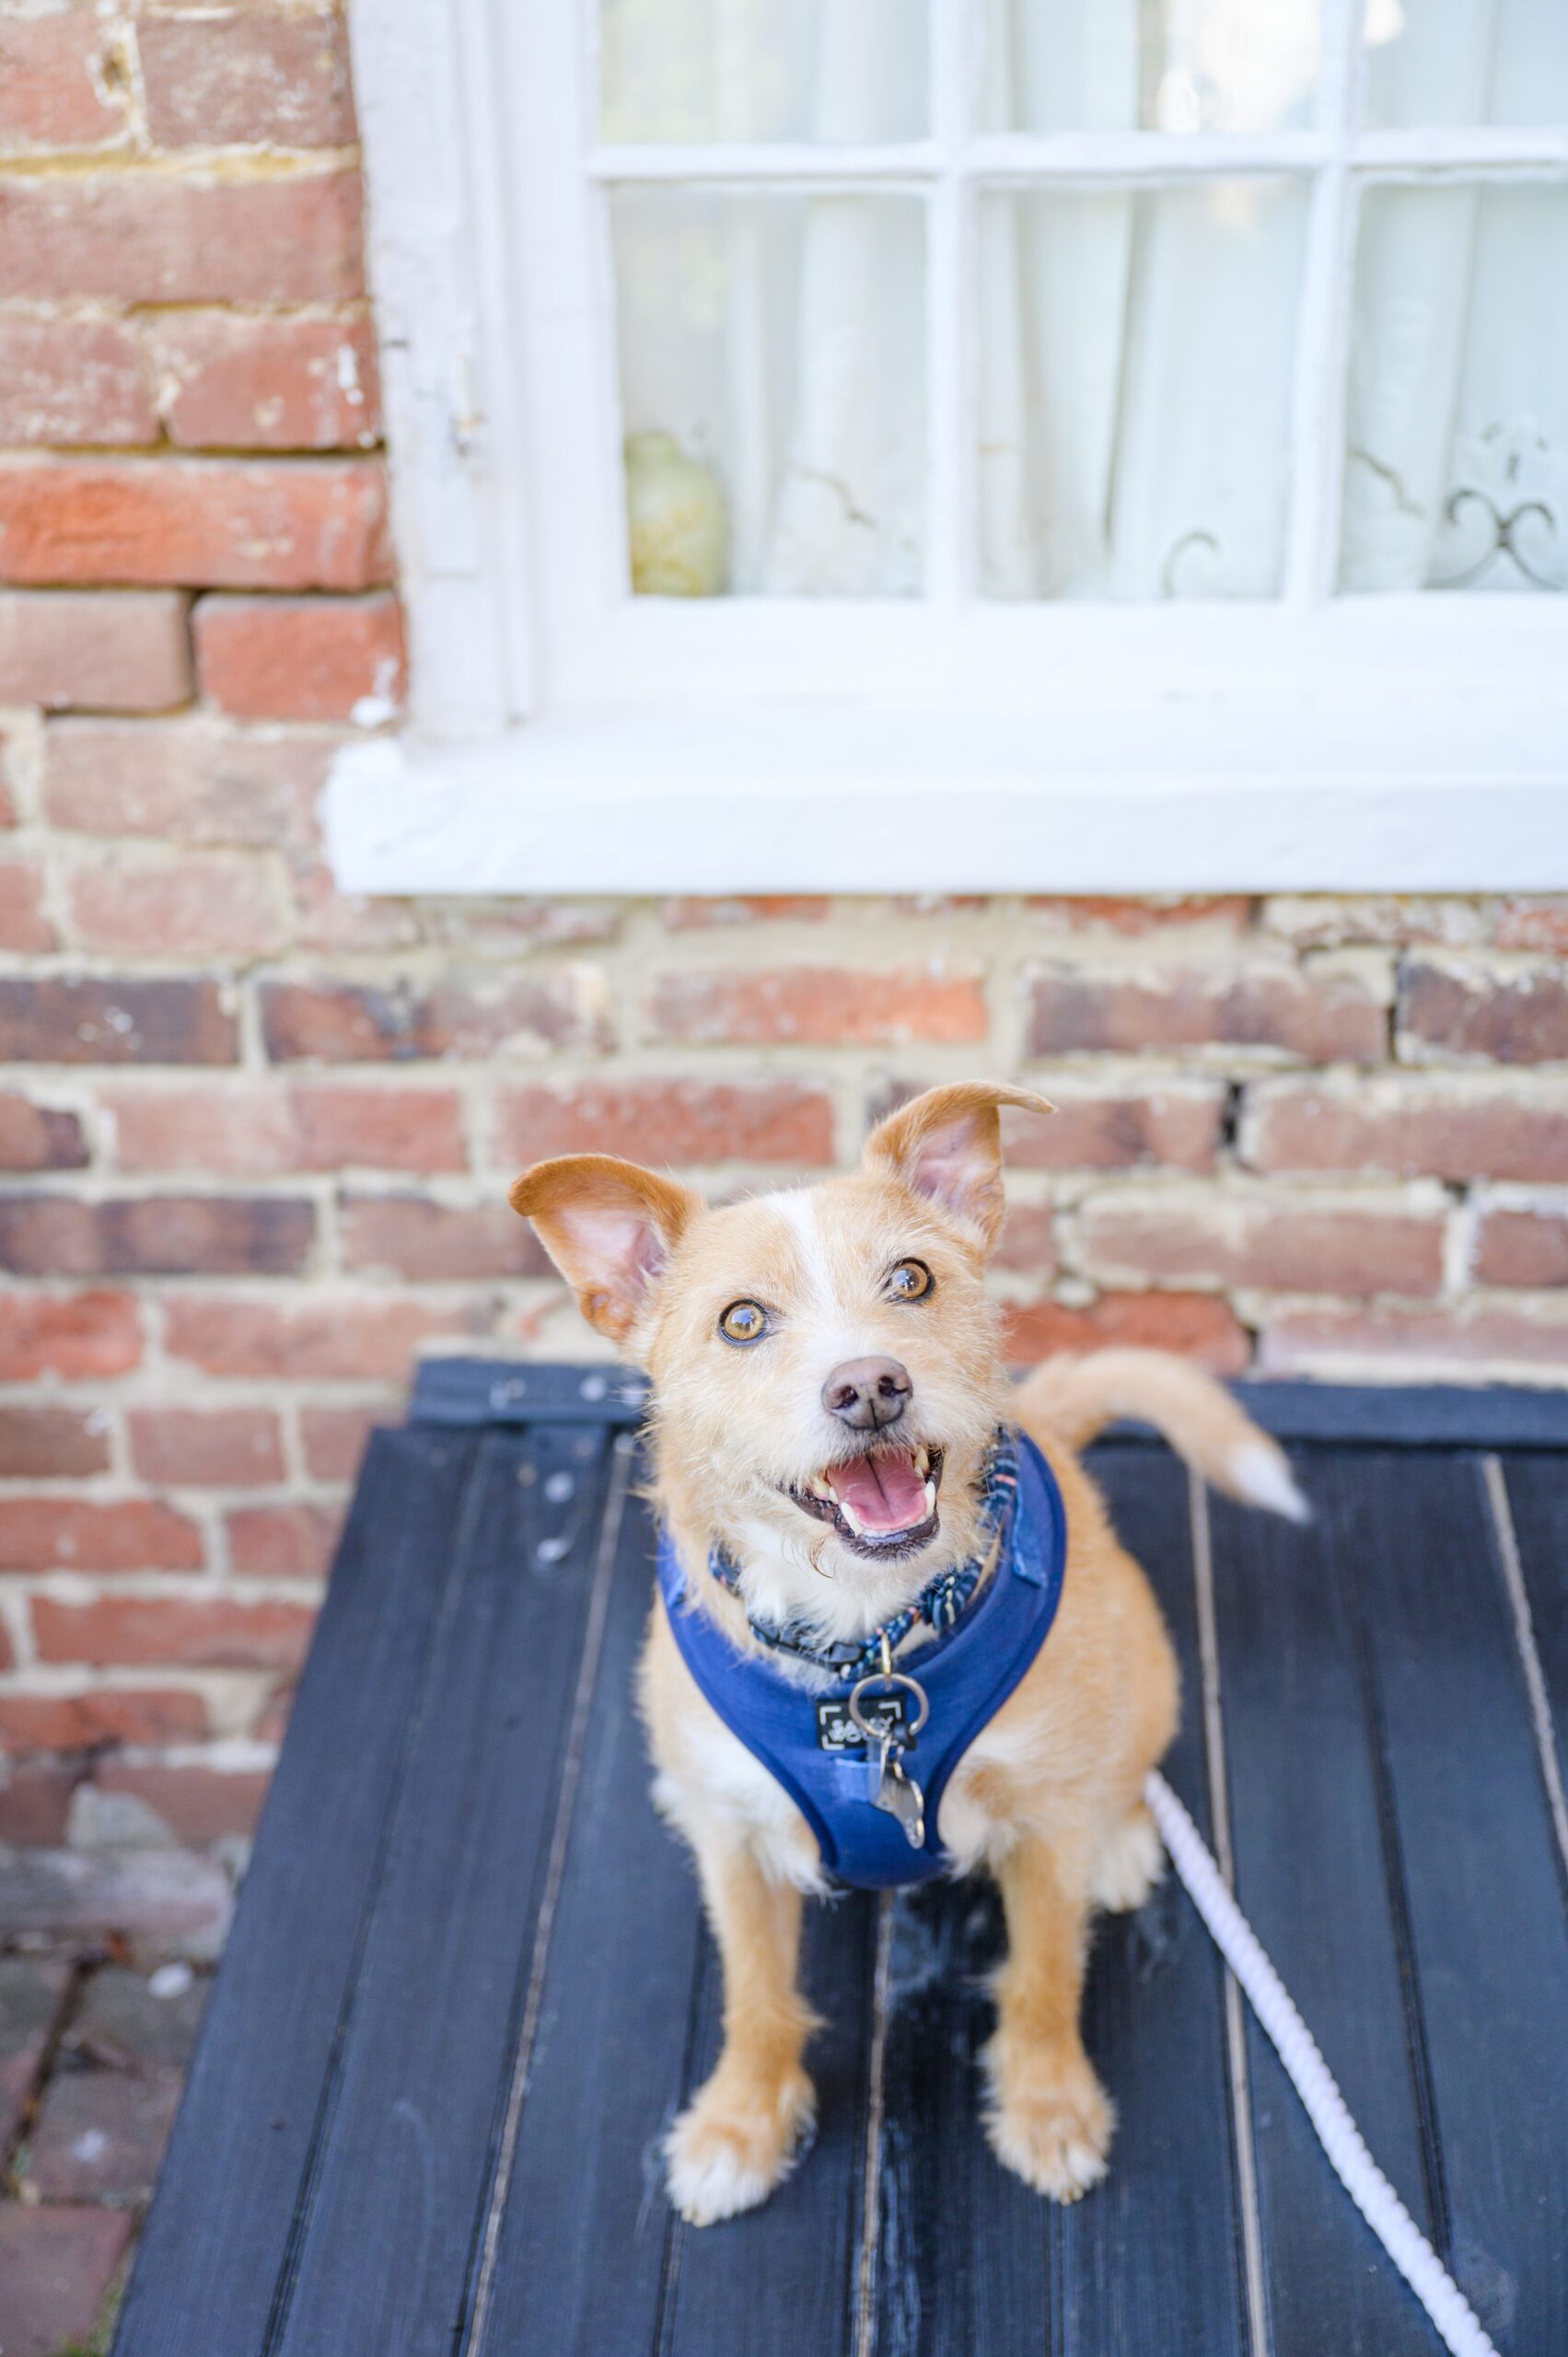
{"x": 1456, "y": 442}
{"x": 771, "y": 364}
{"x": 1134, "y": 395}
{"x": 1173, "y": 65}
{"x": 1466, "y": 60}
{"x": 831, "y": 70}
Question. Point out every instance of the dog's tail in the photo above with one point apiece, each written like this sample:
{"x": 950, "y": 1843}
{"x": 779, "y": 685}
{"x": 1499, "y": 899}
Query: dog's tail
{"x": 1076, "y": 1398}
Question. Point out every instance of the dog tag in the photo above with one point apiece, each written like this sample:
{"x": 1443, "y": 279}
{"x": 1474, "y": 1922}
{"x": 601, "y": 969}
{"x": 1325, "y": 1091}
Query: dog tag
{"x": 897, "y": 1793}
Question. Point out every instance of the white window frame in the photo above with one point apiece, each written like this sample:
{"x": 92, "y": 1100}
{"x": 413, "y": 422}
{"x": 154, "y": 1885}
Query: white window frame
{"x": 565, "y": 736}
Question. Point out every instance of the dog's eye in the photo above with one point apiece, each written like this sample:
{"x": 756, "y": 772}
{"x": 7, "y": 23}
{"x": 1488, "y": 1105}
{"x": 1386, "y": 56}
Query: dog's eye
{"x": 744, "y": 1321}
{"x": 910, "y": 1280}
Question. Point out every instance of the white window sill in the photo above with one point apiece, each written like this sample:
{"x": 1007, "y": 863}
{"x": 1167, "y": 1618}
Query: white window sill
{"x": 1431, "y": 782}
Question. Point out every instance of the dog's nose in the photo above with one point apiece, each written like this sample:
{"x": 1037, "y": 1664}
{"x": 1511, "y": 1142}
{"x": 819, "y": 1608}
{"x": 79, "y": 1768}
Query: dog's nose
{"x": 865, "y": 1394}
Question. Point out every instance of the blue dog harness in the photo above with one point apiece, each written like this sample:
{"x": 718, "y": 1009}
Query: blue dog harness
{"x": 868, "y": 1767}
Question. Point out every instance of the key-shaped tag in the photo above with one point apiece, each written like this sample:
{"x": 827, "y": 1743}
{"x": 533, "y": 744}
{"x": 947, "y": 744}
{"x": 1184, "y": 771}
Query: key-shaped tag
{"x": 897, "y": 1793}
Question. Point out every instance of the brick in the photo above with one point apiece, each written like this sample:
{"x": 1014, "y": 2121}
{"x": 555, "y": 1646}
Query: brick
{"x": 72, "y": 381}
{"x": 194, "y": 1633}
{"x": 323, "y": 1338}
{"x": 39, "y": 1137}
{"x": 235, "y": 383}
{"x": 68, "y": 1019}
{"x": 198, "y": 1804}
{"x": 692, "y": 913}
{"x": 408, "y": 1235}
{"x": 100, "y": 2135}
{"x": 1133, "y": 919}
{"x": 51, "y": 1444}
{"x": 51, "y": 83}
{"x": 151, "y": 237}
{"x": 246, "y": 81}
{"x": 156, "y": 1235}
{"x": 35, "y": 1806}
{"x": 335, "y": 1439}
{"x": 1324, "y": 921}
{"x": 123, "y": 650}
{"x": 1527, "y": 1247}
{"x": 121, "y": 2024}
{"x": 326, "y": 919}
{"x": 1408, "y": 1126}
{"x": 1197, "y": 1326}
{"x": 292, "y": 1542}
{"x": 1175, "y": 1125}
{"x": 261, "y": 1128}
{"x": 301, "y": 658}
{"x": 476, "y": 927}
{"x": 25, "y": 930}
{"x": 46, "y": 1534}
{"x": 461, "y": 1015}
{"x": 1534, "y": 925}
{"x": 32, "y": 1993}
{"x": 81, "y": 1338}
{"x": 155, "y": 1715}
{"x": 224, "y": 1447}
{"x": 1529, "y": 1335}
{"x": 816, "y": 1007}
{"x": 669, "y": 1119}
{"x": 1509, "y": 1016}
{"x": 1300, "y": 1243}
{"x": 214, "y": 904}
{"x": 1028, "y": 1240}
{"x": 209, "y": 523}
{"x": 181, "y": 782}
{"x": 57, "y": 2263}
{"x": 1316, "y": 1017}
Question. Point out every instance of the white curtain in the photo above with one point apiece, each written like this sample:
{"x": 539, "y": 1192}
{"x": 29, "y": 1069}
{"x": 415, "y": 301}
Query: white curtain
{"x": 1456, "y": 457}
{"x": 1136, "y": 349}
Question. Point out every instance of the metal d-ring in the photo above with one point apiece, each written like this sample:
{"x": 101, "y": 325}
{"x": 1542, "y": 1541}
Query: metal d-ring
{"x": 888, "y": 1678}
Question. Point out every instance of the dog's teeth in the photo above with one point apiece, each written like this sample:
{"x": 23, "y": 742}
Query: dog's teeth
{"x": 930, "y": 1497}
{"x": 922, "y": 1462}
{"x": 820, "y": 1489}
{"x": 850, "y": 1516}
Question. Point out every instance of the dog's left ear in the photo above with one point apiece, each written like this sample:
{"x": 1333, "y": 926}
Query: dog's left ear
{"x": 948, "y": 1144}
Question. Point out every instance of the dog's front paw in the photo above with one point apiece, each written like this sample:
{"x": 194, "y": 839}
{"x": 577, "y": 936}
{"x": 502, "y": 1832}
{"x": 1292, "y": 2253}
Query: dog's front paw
{"x": 725, "y": 2153}
{"x": 1049, "y": 2119}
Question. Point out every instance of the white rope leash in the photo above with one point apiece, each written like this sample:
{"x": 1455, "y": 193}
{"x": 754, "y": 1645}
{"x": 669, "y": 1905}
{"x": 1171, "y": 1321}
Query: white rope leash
{"x": 1314, "y": 2081}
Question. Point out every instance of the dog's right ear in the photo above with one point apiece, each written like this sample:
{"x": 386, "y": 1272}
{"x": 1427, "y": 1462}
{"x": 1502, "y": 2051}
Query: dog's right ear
{"x": 610, "y": 1227}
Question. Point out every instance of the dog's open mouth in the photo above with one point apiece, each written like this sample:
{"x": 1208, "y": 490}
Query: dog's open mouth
{"x": 881, "y": 1504}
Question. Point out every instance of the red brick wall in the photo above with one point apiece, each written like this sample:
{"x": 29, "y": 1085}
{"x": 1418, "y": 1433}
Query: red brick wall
{"x": 257, "y": 1137}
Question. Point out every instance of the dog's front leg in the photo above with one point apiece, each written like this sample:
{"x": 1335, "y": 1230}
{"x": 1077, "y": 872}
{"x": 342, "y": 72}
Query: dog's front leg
{"x": 735, "y": 2139}
{"x": 1049, "y": 2117}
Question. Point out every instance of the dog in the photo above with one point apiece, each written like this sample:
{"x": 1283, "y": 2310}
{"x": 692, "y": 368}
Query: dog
{"x": 830, "y": 1411}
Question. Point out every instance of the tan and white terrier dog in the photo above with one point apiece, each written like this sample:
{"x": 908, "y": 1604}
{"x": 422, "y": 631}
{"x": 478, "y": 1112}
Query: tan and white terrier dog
{"x": 828, "y": 1384}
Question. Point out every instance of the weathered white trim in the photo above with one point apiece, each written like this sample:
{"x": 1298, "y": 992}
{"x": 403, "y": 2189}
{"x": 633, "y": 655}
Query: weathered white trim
{"x": 438, "y": 244}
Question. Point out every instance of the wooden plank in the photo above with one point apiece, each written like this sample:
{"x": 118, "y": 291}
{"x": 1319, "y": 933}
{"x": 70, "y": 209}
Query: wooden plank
{"x": 1318, "y": 1873}
{"x": 583, "y": 2230}
{"x": 1536, "y": 1500}
{"x": 387, "y": 2235}
{"x": 1151, "y": 2260}
{"x": 1486, "y": 1899}
{"x": 791, "y": 2267}
{"x": 969, "y": 2258}
{"x": 1435, "y": 1415}
{"x": 506, "y": 1391}
{"x": 210, "y": 2259}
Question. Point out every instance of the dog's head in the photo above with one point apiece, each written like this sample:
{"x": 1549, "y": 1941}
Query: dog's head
{"x": 826, "y": 1363}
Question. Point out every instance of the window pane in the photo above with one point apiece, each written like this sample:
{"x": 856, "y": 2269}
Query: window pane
{"x": 773, "y": 391}
{"x": 1216, "y": 65}
{"x": 1136, "y": 383}
{"x": 762, "y": 69}
{"x": 1466, "y": 60}
{"x": 1457, "y": 444}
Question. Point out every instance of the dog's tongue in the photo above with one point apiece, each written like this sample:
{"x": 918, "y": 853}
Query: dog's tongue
{"x": 886, "y": 1492}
